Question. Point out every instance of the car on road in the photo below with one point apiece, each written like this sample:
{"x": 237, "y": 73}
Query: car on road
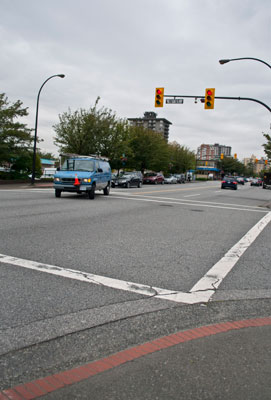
{"x": 240, "y": 180}
{"x": 170, "y": 179}
{"x": 180, "y": 178}
{"x": 267, "y": 180}
{"x": 83, "y": 174}
{"x": 256, "y": 182}
{"x": 129, "y": 179}
{"x": 229, "y": 183}
{"x": 154, "y": 178}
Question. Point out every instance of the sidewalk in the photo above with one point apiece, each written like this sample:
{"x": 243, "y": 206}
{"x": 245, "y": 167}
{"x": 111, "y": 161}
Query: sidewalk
{"x": 25, "y": 185}
{"x": 230, "y": 360}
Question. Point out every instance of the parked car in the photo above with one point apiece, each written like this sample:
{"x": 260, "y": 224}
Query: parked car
{"x": 129, "y": 179}
{"x": 256, "y": 182}
{"x": 229, "y": 183}
{"x": 154, "y": 177}
{"x": 170, "y": 179}
{"x": 114, "y": 177}
{"x": 267, "y": 180}
{"x": 180, "y": 178}
{"x": 240, "y": 180}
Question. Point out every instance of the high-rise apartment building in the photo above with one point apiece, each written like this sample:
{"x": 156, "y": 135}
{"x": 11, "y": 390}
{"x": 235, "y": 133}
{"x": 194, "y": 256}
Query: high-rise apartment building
{"x": 150, "y": 121}
{"x": 212, "y": 151}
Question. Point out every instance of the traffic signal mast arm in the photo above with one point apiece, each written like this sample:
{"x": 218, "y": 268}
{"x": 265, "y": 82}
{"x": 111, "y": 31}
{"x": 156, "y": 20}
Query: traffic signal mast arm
{"x": 220, "y": 97}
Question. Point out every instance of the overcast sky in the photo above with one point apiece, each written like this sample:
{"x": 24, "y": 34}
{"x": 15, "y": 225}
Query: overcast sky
{"x": 121, "y": 50}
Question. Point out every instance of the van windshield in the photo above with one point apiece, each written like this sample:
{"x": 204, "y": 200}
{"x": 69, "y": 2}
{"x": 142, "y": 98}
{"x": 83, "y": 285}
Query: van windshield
{"x": 78, "y": 165}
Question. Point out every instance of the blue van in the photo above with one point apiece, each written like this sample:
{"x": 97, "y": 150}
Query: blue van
{"x": 83, "y": 174}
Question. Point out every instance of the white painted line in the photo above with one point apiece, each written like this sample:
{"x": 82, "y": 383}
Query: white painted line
{"x": 192, "y": 195}
{"x": 84, "y": 276}
{"x": 202, "y": 291}
{"x": 196, "y": 203}
{"x": 213, "y": 278}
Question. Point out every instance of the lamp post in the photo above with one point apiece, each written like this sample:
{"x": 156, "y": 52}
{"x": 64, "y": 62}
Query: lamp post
{"x": 36, "y": 128}
{"x": 224, "y": 61}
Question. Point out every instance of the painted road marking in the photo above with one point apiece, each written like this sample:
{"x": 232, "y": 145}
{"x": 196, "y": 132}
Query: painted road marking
{"x": 202, "y": 291}
{"x": 49, "y": 384}
{"x": 195, "y": 201}
{"x": 190, "y": 203}
{"x": 193, "y": 195}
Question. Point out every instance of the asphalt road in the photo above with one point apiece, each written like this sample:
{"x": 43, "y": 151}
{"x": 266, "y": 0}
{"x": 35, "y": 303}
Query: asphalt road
{"x": 82, "y": 279}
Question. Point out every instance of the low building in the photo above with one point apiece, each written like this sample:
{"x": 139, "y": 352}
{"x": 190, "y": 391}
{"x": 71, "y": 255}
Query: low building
{"x": 46, "y": 163}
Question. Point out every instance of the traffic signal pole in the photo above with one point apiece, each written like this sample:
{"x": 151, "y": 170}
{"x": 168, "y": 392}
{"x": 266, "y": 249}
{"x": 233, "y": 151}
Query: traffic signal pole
{"x": 220, "y": 97}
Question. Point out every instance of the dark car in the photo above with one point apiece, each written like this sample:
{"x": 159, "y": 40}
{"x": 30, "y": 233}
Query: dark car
{"x": 256, "y": 182}
{"x": 153, "y": 177}
{"x": 129, "y": 179}
{"x": 229, "y": 183}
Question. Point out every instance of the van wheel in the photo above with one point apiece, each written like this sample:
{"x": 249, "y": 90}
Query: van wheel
{"x": 58, "y": 193}
{"x": 128, "y": 185}
{"x": 139, "y": 185}
{"x": 107, "y": 190}
{"x": 91, "y": 193}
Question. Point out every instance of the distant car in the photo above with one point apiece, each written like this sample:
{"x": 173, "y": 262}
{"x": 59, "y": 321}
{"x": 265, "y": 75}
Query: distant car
{"x": 154, "y": 178}
{"x": 229, "y": 183}
{"x": 129, "y": 179}
{"x": 256, "y": 182}
{"x": 170, "y": 179}
{"x": 240, "y": 180}
{"x": 180, "y": 178}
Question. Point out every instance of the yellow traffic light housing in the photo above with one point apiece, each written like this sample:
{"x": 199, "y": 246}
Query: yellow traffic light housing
{"x": 209, "y": 98}
{"x": 235, "y": 156}
{"x": 221, "y": 156}
{"x": 159, "y": 97}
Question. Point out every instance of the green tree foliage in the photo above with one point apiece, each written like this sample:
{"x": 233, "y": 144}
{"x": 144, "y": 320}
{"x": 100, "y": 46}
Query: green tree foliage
{"x": 15, "y": 138}
{"x": 47, "y": 156}
{"x": 231, "y": 166}
{"x": 148, "y": 150}
{"x": 94, "y": 131}
{"x": 267, "y": 146}
{"x": 181, "y": 158}
{"x": 22, "y": 167}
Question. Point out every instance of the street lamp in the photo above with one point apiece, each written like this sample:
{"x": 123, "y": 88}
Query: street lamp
{"x": 224, "y": 61}
{"x": 36, "y": 128}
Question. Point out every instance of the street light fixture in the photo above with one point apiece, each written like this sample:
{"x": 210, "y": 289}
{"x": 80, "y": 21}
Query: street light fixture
{"x": 36, "y": 127}
{"x": 224, "y": 61}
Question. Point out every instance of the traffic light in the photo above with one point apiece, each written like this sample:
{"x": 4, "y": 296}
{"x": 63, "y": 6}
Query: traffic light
{"x": 256, "y": 160}
{"x": 235, "y": 156}
{"x": 209, "y": 98}
{"x": 159, "y": 97}
{"x": 266, "y": 162}
{"x": 221, "y": 156}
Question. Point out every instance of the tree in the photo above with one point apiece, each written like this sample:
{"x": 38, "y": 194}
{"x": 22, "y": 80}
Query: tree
{"x": 267, "y": 146}
{"x": 231, "y": 166}
{"x": 94, "y": 131}
{"x": 181, "y": 158}
{"x": 15, "y": 137}
{"x": 22, "y": 166}
{"x": 46, "y": 155}
{"x": 148, "y": 150}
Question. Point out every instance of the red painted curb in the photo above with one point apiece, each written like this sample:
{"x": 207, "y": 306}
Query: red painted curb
{"x": 42, "y": 386}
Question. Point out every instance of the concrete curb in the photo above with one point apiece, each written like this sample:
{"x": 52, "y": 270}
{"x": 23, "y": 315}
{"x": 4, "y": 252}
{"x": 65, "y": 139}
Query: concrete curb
{"x": 49, "y": 384}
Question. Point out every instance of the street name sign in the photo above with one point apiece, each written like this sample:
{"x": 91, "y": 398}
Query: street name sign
{"x": 174, "y": 101}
